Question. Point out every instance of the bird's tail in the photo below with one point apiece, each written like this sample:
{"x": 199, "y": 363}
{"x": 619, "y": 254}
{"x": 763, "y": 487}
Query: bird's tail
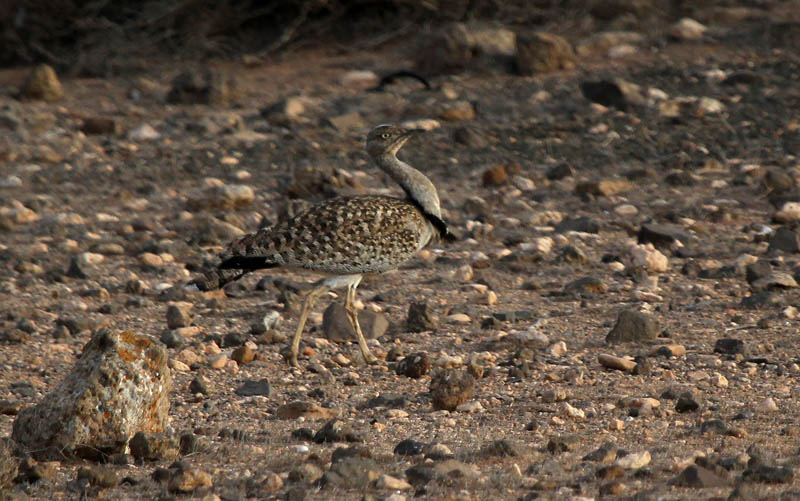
{"x": 216, "y": 279}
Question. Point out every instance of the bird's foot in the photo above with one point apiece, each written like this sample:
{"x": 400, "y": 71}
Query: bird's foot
{"x": 293, "y": 362}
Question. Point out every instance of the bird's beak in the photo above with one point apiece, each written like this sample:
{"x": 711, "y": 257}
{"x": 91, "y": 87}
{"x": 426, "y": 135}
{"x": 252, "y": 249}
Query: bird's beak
{"x": 405, "y": 137}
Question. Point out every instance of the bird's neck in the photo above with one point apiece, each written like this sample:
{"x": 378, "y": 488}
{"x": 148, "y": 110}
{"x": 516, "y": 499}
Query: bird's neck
{"x": 417, "y": 186}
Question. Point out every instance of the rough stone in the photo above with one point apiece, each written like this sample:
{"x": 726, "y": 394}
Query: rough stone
{"x": 414, "y": 365}
{"x": 307, "y": 410}
{"x": 352, "y": 473}
{"x": 202, "y": 86}
{"x": 451, "y": 388}
{"x": 251, "y": 388}
{"x": 421, "y": 317}
{"x": 337, "y": 328}
{"x": 336, "y": 430}
{"x": 154, "y": 446}
{"x": 189, "y": 480}
{"x": 179, "y": 315}
{"x": 448, "y": 471}
{"x": 784, "y": 240}
{"x": 633, "y": 326}
{"x": 542, "y": 53}
{"x": 119, "y": 386}
{"x": 100, "y": 476}
{"x": 42, "y": 84}
{"x": 729, "y": 346}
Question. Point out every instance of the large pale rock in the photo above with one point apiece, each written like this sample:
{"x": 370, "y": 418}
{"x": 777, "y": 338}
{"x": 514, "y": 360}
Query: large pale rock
{"x": 120, "y": 386}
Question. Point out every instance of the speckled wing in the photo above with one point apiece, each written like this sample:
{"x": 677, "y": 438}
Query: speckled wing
{"x": 343, "y": 235}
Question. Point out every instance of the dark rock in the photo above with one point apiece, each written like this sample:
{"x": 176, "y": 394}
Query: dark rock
{"x": 447, "y": 50}
{"x": 687, "y": 402}
{"x": 504, "y": 448}
{"x": 23, "y": 389}
{"x": 387, "y": 400}
{"x": 633, "y": 326}
{"x": 232, "y": 339}
{"x": 336, "y": 430}
{"x": 697, "y": 477}
{"x": 207, "y": 86}
{"x": 605, "y": 92}
{"x": 580, "y": 224}
{"x": 99, "y": 125}
{"x": 75, "y": 325}
{"x": 341, "y": 453}
{"x": 643, "y": 366}
{"x": 414, "y": 365}
{"x": 203, "y": 385}
{"x": 306, "y": 473}
{"x": 784, "y": 240}
{"x": 172, "y": 339}
{"x": 303, "y": 434}
{"x": 768, "y": 474}
{"x": 421, "y": 317}
{"x": 14, "y": 336}
{"x": 77, "y": 269}
{"x": 449, "y": 470}
{"x": 562, "y": 443}
{"x": 760, "y": 300}
{"x": 541, "y": 52}
{"x": 470, "y": 137}
{"x": 31, "y": 471}
{"x": 743, "y": 77}
{"x": 409, "y": 447}
{"x": 716, "y": 426}
{"x": 191, "y": 443}
{"x": 606, "y": 453}
{"x": 451, "y": 388}
{"x": 154, "y": 446}
{"x": 571, "y": 254}
{"x": 514, "y": 316}
{"x": 251, "y": 388}
{"x": 585, "y": 285}
{"x": 661, "y": 235}
{"x": 337, "y": 328}
{"x": 352, "y": 473}
{"x": 100, "y": 476}
{"x": 494, "y": 176}
{"x": 729, "y": 346}
{"x": 178, "y": 315}
{"x": 560, "y": 171}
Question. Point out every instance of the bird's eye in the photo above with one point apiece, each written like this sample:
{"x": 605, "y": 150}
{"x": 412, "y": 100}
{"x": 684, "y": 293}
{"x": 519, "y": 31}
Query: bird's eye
{"x": 385, "y": 135}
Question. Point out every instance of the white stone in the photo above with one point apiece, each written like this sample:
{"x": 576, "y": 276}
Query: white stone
{"x": 634, "y": 460}
{"x": 648, "y": 258}
{"x": 790, "y": 211}
{"x": 767, "y": 405}
{"x": 144, "y": 132}
{"x": 687, "y": 29}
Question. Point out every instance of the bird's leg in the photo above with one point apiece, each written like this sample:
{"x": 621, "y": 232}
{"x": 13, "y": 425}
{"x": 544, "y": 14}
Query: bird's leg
{"x": 352, "y": 315}
{"x": 311, "y": 298}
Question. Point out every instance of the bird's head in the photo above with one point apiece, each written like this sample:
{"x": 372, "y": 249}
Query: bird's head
{"x": 388, "y": 139}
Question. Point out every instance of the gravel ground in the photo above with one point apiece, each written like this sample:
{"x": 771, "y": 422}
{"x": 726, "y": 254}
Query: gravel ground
{"x": 619, "y": 309}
